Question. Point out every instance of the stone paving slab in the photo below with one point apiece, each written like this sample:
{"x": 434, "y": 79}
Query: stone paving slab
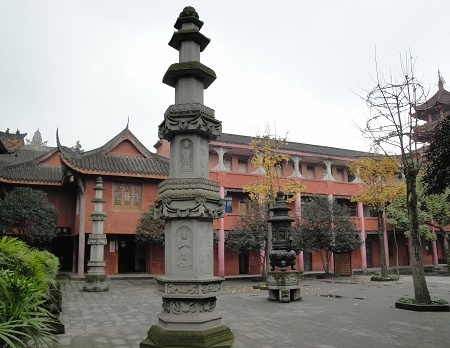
{"x": 333, "y": 313}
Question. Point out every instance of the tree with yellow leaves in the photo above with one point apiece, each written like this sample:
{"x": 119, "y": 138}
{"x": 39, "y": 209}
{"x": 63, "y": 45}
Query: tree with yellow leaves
{"x": 380, "y": 186}
{"x": 269, "y": 158}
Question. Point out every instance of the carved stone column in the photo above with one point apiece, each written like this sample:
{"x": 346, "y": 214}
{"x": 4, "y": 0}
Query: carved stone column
{"x": 220, "y": 164}
{"x": 96, "y": 280}
{"x": 327, "y": 174}
{"x": 189, "y": 201}
{"x": 296, "y": 172}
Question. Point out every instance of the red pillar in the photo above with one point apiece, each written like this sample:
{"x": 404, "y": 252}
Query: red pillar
{"x": 363, "y": 236}
{"x": 221, "y": 246}
{"x": 298, "y": 211}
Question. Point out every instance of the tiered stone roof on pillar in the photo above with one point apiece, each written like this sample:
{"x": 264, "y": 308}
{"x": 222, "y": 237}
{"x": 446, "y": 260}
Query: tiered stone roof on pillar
{"x": 189, "y": 201}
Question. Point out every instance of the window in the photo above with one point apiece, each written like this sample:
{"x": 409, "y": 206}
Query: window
{"x": 428, "y": 248}
{"x": 310, "y": 172}
{"x": 242, "y": 165}
{"x": 127, "y": 196}
{"x": 347, "y": 204}
{"x": 227, "y": 163}
{"x": 242, "y": 208}
{"x": 340, "y": 174}
{"x": 228, "y": 204}
{"x": 369, "y": 211}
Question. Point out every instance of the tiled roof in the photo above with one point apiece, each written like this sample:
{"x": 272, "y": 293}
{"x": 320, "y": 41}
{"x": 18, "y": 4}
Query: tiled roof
{"x": 29, "y": 173}
{"x": 132, "y": 165}
{"x": 11, "y": 142}
{"x": 23, "y": 166}
{"x": 297, "y": 147}
{"x": 442, "y": 96}
{"x": 100, "y": 160}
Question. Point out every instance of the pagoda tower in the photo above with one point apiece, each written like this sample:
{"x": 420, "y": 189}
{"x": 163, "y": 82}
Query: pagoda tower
{"x": 189, "y": 201}
{"x": 433, "y": 112}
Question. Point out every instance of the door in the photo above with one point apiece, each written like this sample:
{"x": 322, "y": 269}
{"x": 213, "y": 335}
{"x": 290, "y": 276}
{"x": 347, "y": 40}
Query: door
{"x": 127, "y": 254}
{"x": 369, "y": 254}
{"x": 243, "y": 263}
{"x": 307, "y": 261}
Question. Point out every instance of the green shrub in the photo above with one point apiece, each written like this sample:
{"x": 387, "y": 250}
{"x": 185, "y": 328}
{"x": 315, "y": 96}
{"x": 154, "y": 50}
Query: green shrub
{"x": 22, "y": 314}
{"x": 27, "y": 278}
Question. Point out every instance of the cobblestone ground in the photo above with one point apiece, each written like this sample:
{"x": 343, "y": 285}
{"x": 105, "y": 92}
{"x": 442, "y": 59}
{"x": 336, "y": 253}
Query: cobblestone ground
{"x": 340, "y": 312}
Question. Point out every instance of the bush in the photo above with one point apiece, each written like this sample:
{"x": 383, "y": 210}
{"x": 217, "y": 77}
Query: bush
{"x": 27, "y": 278}
{"x": 22, "y": 312}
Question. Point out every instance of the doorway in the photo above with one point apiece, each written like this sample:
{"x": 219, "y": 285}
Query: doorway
{"x": 243, "y": 263}
{"x": 307, "y": 261}
{"x": 62, "y": 248}
{"x": 369, "y": 254}
{"x": 126, "y": 253}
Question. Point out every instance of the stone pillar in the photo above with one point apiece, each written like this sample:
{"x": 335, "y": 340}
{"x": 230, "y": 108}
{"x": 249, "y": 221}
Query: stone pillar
{"x": 327, "y": 174}
{"x": 357, "y": 179}
{"x": 296, "y": 172}
{"x": 260, "y": 169}
{"x": 189, "y": 201}
{"x": 96, "y": 280}
{"x": 220, "y": 164}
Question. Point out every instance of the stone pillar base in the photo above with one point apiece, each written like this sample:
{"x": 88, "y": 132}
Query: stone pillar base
{"x": 285, "y": 295}
{"x": 283, "y": 286}
{"x": 96, "y": 283}
{"x": 220, "y": 337}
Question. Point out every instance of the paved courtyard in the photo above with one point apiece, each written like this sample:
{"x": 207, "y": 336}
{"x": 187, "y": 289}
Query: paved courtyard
{"x": 340, "y": 312}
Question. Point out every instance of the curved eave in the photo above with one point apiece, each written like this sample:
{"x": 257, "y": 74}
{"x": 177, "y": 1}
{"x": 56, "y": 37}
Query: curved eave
{"x": 112, "y": 173}
{"x": 30, "y": 182}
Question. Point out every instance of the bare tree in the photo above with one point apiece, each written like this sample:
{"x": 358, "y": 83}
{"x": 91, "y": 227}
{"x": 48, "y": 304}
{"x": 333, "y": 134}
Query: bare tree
{"x": 390, "y": 126}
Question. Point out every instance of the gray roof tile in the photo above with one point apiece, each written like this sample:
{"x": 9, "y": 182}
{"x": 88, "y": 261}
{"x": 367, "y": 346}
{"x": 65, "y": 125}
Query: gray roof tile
{"x": 297, "y": 147}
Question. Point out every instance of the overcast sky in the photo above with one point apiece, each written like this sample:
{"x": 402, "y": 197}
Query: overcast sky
{"x": 85, "y": 67}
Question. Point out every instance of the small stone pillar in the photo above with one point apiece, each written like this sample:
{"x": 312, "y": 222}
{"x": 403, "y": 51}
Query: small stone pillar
{"x": 96, "y": 280}
{"x": 283, "y": 284}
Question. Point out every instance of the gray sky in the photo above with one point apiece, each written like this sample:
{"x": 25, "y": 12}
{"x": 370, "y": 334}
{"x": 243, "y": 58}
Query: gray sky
{"x": 86, "y": 66}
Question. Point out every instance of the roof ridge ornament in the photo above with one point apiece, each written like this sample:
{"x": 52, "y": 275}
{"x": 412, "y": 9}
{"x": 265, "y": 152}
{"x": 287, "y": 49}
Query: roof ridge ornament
{"x": 441, "y": 81}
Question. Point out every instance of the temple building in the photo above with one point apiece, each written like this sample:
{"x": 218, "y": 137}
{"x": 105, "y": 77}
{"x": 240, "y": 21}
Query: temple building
{"x": 131, "y": 174}
{"x": 432, "y": 112}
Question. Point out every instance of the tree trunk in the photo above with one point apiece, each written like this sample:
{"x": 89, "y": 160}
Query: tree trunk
{"x": 421, "y": 293}
{"x": 384, "y": 270}
{"x": 324, "y": 260}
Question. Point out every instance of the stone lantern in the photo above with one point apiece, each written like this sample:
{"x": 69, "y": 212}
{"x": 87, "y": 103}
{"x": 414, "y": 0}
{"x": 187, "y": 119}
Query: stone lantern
{"x": 283, "y": 284}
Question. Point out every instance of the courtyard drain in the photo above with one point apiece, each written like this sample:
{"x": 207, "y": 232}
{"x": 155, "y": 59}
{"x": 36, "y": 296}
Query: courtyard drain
{"x": 340, "y": 296}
